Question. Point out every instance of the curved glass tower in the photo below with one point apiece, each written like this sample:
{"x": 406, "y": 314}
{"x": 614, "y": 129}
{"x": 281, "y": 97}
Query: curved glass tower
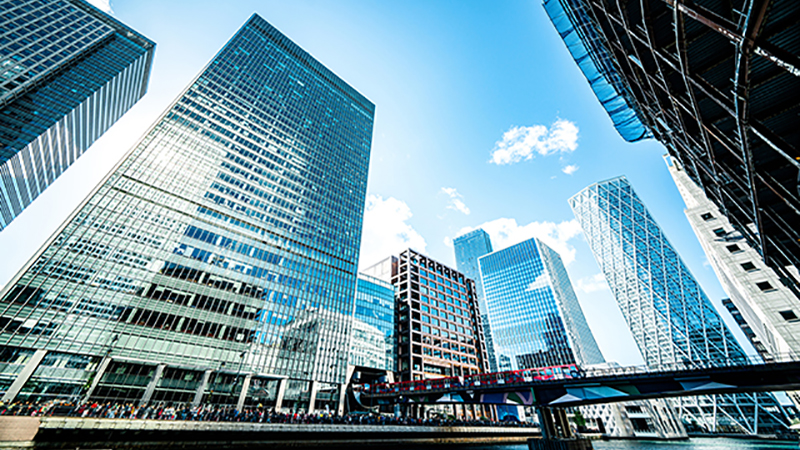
{"x": 669, "y": 315}
{"x": 217, "y": 262}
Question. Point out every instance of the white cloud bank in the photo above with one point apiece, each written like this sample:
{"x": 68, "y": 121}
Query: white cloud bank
{"x": 594, "y": 283}
{"x": 570, "y": 169}
{"x": 385, "y": 230}
{"x": 102, "y": 5}
{"x": 456, "y": 200}
{"x": 505, "y": 232}
{"x": 523, "y": 143}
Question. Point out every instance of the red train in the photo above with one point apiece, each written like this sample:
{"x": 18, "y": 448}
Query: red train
{"x": 482, "y": 379}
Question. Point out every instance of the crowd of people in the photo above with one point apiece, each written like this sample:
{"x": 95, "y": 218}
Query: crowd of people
{"x": 216, "y": 413}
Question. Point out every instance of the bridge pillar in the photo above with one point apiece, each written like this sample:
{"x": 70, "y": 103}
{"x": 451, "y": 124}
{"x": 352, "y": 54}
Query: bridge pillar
{"x": 554, "y": 423}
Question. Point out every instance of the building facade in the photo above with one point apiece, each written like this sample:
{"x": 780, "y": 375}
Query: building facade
{"x": 672, "y": 321}
{"x": 438, "y": 325}
{"x": 373, "y": 342}
{"x": 67, "y": 72}
{"x": 468, "y": 248}
{"x": 217, "y": 263}
{"x": 536, "y": 318}
{"x": 769, "y": 308}
{"x": 718, "y": 84}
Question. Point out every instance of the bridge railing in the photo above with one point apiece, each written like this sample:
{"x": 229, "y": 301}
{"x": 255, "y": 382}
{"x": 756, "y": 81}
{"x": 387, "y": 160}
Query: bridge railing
{"x": 571, "y": 371}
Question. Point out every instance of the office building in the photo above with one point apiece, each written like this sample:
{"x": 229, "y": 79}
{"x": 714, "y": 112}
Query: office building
{"x": 67, "y": 72}
{"x": 641, "y": 419}
{"x": 672, "y": 321}
{"x": 438, "y": 326}
{"x": 217, "y": 263}
{"x": 535, "y": 315}
{"x": 373, "y": 342}
{"x": 769, "y": 308}
{"x": 719, "y": 85}
{"x": 468, "y": 248}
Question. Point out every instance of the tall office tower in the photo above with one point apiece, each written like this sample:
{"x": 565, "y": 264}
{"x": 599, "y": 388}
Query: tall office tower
{"x": 669, "y": 315}
{"x": 438, "y": 326}
{"x": 373, "y": 342}
{"x": 535, "y": 315}
{"x": 468, "y": 248}
{"x": 217, "y": 262}
{"x": 67, "y": 72}
{"x": 718, "y": 83}
{"x": 770, "y": 309}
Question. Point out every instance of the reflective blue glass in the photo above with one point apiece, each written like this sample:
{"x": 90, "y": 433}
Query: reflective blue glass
{"x": 670, "y": 317}
{"x": 536, "y": 318}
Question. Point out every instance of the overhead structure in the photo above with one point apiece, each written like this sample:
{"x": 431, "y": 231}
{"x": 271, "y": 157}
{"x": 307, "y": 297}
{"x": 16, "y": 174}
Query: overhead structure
{"x": 718, "y": 83}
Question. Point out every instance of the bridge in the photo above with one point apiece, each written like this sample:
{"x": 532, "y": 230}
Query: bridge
{"x": 569, "y": 388}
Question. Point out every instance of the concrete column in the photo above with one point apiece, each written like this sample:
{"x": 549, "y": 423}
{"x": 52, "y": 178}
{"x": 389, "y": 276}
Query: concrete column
{"x": 312, "y": 397}
{"x": 546, "y": 423}
{"x": 97, "y": 376}
{"x": 279, "y": 394}
{"x": 562, "y": 423}
{"x": 342, "y": 398}
{"x": 201, "y": 390}
{"x": 24, "y": 376}
{"x": 243, "y": 392}
{"x": 151, "y": 387}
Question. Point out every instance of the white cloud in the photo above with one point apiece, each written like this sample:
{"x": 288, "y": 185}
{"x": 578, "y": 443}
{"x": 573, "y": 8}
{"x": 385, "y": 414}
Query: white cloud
{"x": 456, "y": 201}
{"x": 385, "y": 230}
{"x": 540, "y": 282}
{"x": 448, "y": 241}
{"x": 570, "y": 169}
{"x": 102, "y": 5}
{"x": 594, "y": 283}
{"x": 522, "y": 143}
{"x": 505, "y": 232}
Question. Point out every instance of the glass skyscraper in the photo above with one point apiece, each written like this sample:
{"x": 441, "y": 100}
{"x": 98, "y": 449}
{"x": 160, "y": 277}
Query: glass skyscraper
{"x": 217, "y": 262}
{"x": 373, "y": 342}
{"x": 536, "y": 318}
{"x": 468, "y": 248}
{"x": 670, "y": 317}
{"x": 67, "y": 72}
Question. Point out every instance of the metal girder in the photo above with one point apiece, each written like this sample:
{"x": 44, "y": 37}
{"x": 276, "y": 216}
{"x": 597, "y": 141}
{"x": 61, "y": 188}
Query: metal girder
{"x": 610, "y": 388}
{"x": 778, "y": 56}
{"x": 754, "y": 19}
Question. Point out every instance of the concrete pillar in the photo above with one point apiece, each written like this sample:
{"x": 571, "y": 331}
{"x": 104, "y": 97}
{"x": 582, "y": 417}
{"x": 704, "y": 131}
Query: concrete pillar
{"x": 101, "y": 370}
{"x": 24, "y": 376}
{"x": 342, "y": 398}
{"x": 562, "y": 423}
{"x": 201, "y": 390}
{"x": 243, "y": 392}
{"x": 279, "y": 394}
{"x": 312, "y": 395}
{"x": 546, "y": 423}
{"x": 151, "y": 387}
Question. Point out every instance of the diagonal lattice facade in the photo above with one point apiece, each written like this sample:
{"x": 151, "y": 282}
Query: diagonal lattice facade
{"x": 671, "y": 319}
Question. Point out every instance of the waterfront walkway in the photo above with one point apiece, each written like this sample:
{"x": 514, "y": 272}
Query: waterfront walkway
{"x": 85, "y": 432}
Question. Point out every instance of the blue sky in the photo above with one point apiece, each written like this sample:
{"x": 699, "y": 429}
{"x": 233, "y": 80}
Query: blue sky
{"x": 482, "y": 119}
